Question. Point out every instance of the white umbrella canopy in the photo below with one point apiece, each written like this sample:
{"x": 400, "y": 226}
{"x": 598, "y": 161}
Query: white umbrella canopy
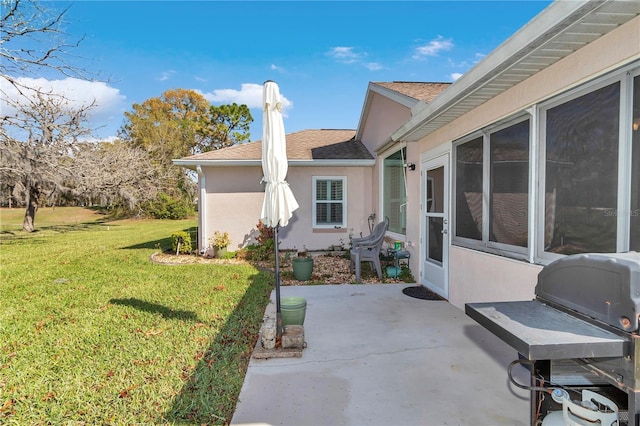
{"x": 279, "y": 202}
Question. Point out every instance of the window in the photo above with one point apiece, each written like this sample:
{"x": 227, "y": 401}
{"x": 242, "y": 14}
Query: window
{"x": 394, "y": 195}
{"x": 492, "y": 189}
{"x": 577, "y": 192}
{"x": 509, "y": 187}
{"x": 329, "y": 202}
{"x": 581, "y": 173}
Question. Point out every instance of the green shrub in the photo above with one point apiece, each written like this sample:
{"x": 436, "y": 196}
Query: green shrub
{"x": 184, "y": 239}
{"x": 167, "y": 207}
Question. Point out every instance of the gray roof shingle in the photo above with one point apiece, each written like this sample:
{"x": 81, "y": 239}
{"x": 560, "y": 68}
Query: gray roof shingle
{"x": 425, "y": 92}
{"x": 323, "y": 144}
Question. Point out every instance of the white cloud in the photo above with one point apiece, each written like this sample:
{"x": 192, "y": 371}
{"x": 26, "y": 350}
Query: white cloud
{"x": 433, "y": 48}
{"x": 249, "y": 94}
{"x": 79, "y": 93}
{"x": 345, "y": 54}
{"x": 373, "y": 66}
{"x": 274, "y": 67}
{"x": 166, "y": 75}
{"x": 455, "y": 76}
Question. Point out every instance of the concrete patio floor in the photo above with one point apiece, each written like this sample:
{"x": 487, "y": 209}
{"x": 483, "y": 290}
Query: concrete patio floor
{"x": 375, "y": 356}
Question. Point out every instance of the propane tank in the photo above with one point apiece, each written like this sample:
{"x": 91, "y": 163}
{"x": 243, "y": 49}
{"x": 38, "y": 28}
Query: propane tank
{"x": 581, "y": 413}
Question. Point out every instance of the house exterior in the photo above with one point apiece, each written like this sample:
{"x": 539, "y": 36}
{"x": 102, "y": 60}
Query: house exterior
{"x": 531, "y": 155}
{"x": 328, "y": 170}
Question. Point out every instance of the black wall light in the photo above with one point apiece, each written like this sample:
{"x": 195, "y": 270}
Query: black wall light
{"x": 411, "y": 166}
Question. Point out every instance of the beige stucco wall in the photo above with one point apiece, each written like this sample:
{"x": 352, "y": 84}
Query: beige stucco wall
{"x": 233, "y": 203}
{"x": 234, "y": 197}
{"x": 300, "y": 231}
{"x": 383, "y": 118}
{"x": 477, "y": 276}
{"x": 481, "y": 277}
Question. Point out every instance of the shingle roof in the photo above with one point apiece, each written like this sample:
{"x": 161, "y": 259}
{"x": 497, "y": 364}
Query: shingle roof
{"x": 425, "y": 92}
{"x": 323, "y": 144}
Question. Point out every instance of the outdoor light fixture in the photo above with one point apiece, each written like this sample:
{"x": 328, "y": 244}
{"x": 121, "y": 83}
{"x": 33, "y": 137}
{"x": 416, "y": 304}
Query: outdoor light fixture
{"x": 410, "y": 166}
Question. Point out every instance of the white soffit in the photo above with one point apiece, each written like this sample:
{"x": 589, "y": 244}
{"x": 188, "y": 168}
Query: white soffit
{"x": 561, "y": 29}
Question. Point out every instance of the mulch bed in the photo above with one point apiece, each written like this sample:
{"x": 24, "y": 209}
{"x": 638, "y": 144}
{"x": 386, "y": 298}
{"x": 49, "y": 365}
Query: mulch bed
{"x": 326, "y": 269}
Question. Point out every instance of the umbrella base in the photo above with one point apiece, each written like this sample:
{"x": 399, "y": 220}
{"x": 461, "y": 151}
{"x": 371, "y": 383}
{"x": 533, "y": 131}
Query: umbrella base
{"x": 292, "y": 344}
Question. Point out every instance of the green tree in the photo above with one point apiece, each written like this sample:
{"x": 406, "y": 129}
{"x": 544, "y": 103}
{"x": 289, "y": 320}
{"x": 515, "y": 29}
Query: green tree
{"x": 225, "y": 125}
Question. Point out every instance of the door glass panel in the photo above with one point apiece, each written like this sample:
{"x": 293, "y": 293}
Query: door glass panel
{"x": 435, "y": 185}
{"x": 434, "y": 248}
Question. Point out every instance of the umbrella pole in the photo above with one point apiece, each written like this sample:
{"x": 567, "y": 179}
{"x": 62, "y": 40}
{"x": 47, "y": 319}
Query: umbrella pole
{"x": 278, "y": 310}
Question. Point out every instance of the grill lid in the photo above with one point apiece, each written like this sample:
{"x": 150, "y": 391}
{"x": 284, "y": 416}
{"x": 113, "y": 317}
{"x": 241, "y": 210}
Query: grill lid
{"x": 605, "y": 287}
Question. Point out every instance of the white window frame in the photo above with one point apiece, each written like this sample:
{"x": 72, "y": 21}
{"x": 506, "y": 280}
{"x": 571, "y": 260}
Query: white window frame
{"x": 314, "y": 181}
{"x": 485, "y": 244}
{"x": 403, "y": 211}
{"x": 625, "y": 77}
{"x": 535, "y": 253}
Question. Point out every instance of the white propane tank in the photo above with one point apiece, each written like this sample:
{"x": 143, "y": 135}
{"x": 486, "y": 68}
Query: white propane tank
{"x": 581, "y": 413}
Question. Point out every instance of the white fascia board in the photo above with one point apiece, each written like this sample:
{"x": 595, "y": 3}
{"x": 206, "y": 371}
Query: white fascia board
{"x": 193, "y": 164}
{"x": 332, "y": 163}
{"x": 541, "y": 27}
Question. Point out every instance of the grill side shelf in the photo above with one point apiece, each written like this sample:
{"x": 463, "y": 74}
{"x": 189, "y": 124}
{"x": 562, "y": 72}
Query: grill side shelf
{"x": 538, "y": 331}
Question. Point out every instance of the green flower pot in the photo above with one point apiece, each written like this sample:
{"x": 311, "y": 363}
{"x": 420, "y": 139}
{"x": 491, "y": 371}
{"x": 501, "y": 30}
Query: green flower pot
{"x": 293, "y": 310}
{"x": 302, "y": 268}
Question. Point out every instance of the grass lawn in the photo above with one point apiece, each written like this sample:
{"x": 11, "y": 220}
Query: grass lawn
{"x": 92, "y": 332}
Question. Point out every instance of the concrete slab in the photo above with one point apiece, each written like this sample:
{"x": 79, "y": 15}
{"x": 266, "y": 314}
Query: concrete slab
{"x": 375, "y": 356}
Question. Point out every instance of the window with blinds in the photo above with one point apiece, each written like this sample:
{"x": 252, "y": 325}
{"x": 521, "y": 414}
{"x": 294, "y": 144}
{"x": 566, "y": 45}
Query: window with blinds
{"x": 329, "y": 202}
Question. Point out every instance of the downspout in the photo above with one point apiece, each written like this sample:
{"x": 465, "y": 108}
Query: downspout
{"x": 202, "y": 214}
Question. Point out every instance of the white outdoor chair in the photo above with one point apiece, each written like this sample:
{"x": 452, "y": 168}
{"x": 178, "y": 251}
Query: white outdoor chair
{"x": 367, "y": 249}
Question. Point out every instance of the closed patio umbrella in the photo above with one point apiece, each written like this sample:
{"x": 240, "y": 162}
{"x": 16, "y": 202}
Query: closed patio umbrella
{"x": 279, "y": 202}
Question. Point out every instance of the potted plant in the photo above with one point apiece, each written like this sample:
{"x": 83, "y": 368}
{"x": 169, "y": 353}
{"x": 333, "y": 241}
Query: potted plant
{"x": 302, "y": 266}
{"x": 219, "y": 243}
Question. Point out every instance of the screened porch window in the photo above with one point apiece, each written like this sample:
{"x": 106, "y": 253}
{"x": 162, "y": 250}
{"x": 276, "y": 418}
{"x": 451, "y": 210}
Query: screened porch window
{"x": 581, "y": 173}
{"x": 394, "y": 194}
{"x": 492, "y": 189}
{"x": 329, "y": 202}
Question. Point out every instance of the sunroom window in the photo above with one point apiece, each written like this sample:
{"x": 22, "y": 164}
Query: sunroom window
{"x": 581, "y": 173}
{"x": 492, "y": 189}
{"x": 329, "y": 202}
{"x": 394, "y": 193}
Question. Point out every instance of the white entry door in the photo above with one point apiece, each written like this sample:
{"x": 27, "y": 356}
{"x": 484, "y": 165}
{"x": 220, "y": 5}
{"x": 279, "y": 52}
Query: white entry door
{"x": 435, "y": 225}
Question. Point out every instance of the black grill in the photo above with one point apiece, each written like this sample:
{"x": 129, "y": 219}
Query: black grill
{"x": 579, "y": 333}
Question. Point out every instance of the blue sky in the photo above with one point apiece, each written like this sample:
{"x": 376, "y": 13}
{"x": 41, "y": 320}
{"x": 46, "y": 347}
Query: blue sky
{"x": 321, "y": 54}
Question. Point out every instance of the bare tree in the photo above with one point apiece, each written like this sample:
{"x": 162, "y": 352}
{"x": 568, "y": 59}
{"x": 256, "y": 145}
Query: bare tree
{"x": 43, "y": 163}
{"x": 117, "y": 173}
{"x": 38, "y": 127}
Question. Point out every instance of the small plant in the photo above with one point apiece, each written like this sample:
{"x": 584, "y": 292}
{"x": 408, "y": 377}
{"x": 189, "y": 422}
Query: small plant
{"x": 181, "y": 242}
{"x": 265, "y": 233}
{"x": 220, "y": 240}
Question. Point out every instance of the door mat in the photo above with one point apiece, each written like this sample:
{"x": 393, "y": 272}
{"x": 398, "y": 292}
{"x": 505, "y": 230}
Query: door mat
{"x": 421, "y": 292}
